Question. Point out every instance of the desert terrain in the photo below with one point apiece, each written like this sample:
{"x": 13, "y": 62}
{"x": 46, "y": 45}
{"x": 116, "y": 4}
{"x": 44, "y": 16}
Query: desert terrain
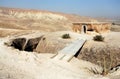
{"x": 93, "y": 58}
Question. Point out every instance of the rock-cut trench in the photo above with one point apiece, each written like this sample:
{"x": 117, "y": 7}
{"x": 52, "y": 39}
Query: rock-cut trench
{"x": 25, "y": 44}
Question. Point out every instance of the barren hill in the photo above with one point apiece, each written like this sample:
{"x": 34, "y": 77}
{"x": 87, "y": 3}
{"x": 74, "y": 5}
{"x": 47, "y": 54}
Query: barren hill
{"x": 37, "y": 19}
{"x": 38, "y": 64}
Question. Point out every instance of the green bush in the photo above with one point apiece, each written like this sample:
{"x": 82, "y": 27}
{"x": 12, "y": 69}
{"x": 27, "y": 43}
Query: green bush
{"x": 65, "y": 36}
{"x": 98, "y": 38}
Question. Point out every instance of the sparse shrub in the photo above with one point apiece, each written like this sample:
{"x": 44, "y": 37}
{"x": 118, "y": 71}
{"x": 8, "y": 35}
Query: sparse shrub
{"x": 113, "y": 23}
{"x": 105, "y": 57}
{"x": 106, "y": 66}
{"x": 66, "y": 36}
{"x": 98, "y": 38}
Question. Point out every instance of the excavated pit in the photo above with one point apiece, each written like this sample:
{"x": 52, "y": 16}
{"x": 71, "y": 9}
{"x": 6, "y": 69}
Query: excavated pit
{"x": 18, "y": 43}
{"x": 25, "y": 44}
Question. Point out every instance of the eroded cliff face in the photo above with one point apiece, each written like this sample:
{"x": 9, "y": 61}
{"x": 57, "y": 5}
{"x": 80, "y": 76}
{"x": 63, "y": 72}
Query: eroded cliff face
{"x": 38, "y": 19}
{"x": 34, "y": 15}
{"x": 31, "y": 14}
{"x": 32, "y": 19}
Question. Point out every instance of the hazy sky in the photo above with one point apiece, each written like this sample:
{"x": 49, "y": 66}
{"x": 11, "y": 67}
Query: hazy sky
{"x": 81, "y": 7}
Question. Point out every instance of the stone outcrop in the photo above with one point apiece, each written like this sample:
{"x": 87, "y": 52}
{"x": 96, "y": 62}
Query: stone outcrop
{"x": 18, "y": 43}
{"x": 88, "y": 26}
{"x": 25, "y": 44}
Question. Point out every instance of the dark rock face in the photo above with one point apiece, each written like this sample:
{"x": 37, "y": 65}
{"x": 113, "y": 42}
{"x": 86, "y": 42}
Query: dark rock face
{"x": 32, "y": 44}
{"x": 18, "y": 43}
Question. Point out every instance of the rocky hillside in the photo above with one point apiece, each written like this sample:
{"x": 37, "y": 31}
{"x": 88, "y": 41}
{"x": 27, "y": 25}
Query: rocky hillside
{"x": 37, "y": 19}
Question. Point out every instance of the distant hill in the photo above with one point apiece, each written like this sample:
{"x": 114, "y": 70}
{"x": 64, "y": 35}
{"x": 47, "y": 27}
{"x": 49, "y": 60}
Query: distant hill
{"x": 115, "y": 20}
{"x": 38, "y": 19}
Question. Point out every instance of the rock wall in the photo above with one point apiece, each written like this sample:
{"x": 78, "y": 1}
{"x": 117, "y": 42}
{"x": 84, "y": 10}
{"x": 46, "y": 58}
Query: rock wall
{"x": 99, "y": 28}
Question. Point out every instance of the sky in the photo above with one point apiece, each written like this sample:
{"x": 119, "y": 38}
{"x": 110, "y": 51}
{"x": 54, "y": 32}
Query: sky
{"x": 94, "y": 8}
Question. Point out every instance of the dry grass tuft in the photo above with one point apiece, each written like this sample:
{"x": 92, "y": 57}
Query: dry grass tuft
{"x": 101, "y": 54}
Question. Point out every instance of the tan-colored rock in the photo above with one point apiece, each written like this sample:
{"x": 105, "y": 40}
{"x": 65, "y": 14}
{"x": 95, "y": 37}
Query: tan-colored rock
{"x": 83, "y": 27}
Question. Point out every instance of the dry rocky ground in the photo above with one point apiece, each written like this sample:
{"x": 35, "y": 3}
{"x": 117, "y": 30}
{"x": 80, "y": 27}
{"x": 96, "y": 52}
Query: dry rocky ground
{"x": 16, "y": 64}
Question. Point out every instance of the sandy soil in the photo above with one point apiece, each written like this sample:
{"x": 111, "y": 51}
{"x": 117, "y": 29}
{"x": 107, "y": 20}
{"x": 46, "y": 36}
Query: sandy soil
{"x": 15, "y": 64}
{"x": 95, "y": 51}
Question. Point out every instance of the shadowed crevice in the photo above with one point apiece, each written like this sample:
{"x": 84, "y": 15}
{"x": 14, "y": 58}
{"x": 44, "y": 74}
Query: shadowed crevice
{"x": 18, "y": 43}
{"x": 25, "y": 44}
